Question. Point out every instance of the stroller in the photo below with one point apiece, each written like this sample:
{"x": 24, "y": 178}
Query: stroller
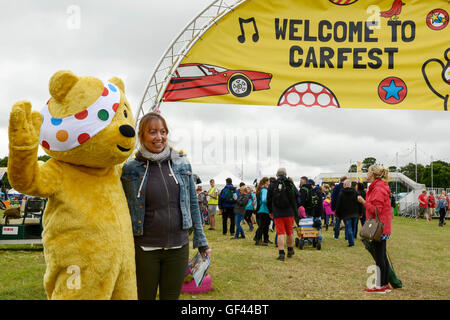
{"x": 308, "y": 231}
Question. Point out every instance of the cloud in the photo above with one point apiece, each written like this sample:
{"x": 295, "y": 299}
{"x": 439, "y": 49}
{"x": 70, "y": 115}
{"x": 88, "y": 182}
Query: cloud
{"x": 127, "y": 39}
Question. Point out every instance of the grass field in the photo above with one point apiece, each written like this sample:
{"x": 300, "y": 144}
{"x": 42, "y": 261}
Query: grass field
{"x": 420, "y": 252}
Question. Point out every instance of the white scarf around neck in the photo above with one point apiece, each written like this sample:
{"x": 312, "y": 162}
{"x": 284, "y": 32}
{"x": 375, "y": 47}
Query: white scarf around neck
{"x": 154, "y": 156}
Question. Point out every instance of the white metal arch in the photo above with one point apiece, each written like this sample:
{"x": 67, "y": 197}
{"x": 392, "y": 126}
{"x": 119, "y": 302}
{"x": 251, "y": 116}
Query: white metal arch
{"x": 177, "y": 51}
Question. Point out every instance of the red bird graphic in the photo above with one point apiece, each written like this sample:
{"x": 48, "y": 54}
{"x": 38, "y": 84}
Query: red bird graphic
{"x": 395, "y": 10}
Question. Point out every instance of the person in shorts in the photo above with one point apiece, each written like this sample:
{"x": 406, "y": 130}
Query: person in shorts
{"x": 282, "y": 204}
{"x": 423, "y": 204}
{"x": 213, "y": 201}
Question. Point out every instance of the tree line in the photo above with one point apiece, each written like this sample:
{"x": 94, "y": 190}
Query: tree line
{"x": 441, "y": 171}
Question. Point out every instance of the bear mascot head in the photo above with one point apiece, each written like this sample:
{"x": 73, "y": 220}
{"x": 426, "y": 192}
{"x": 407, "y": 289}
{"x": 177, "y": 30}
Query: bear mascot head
{"x": 87, "y": 122}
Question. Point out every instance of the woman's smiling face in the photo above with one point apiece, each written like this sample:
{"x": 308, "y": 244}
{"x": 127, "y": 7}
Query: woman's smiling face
{"x": 155, "y": 136}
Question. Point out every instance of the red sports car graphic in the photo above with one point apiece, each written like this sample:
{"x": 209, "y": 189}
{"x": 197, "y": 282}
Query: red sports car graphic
{"x": 193, "y": 80}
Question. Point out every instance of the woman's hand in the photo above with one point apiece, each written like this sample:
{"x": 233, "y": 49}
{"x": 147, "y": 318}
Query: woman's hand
{"x": 361, "y": 200}
{"x": 207, "y": 252}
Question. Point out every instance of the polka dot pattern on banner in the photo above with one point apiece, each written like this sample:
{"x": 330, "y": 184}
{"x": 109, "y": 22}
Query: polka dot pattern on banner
{"x": 68, "y": 133}
{"x": 308, "y": 94}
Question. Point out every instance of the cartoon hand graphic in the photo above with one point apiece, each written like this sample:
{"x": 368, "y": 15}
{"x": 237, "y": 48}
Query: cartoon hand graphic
{"x": 445, "y": 76}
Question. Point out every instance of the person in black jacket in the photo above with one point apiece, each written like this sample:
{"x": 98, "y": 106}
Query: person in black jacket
{"x": 226, "y": 206}
{"x": 305, "y": 196}
{"x": 317, "y": 210}
{"x": 282, "y": 204}
{"x": 334, "y": 198}
{"x": 348, "y": 209}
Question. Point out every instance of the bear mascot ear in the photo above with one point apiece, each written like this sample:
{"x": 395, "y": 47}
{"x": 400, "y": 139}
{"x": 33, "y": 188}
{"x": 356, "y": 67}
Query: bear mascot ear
{"x": 118, "y": 82}
{"x": 61, "y": 83}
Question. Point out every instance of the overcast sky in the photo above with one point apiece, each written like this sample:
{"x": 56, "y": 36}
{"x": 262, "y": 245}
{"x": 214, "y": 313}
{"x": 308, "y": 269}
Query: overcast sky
{"x": 127, "y": 38}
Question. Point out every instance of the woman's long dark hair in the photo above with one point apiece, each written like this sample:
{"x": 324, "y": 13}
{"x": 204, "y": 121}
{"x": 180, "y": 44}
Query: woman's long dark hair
{"x": 261, "y": 185}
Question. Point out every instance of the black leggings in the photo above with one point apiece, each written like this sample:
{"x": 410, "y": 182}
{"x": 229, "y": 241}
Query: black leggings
{"x": 381, "y": 260}
{"x": 161, "y": 268}
{"x": 248, "y": 217}
{"x": 263, "y": 221}
{"x": 442, "y": 213}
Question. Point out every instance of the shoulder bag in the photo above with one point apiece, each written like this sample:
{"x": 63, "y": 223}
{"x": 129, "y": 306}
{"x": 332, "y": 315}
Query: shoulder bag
{"x": 372, "y": 228}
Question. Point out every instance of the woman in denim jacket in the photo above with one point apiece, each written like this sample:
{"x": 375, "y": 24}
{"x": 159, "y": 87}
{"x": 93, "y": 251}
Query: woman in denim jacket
{"x": 162, "y": 199}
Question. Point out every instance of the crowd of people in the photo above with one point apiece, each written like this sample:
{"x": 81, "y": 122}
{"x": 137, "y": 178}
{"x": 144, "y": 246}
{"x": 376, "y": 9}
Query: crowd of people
{"x": 279, "y": 204}
{"x": 254, "y": 205}
{"x": 429, "y": 205}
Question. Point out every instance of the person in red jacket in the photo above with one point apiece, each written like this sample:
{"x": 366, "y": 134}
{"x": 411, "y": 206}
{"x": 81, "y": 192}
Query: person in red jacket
{"x": 423, "y": 205}
{"x": 378, "y": 196}
{"x": 431, "y": 205}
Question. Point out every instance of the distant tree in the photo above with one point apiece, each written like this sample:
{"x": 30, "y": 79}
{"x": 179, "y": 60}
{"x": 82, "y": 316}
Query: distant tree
{"x": 392, "y": 169}
{"x": 4, "y": 162}
{"x": 353, "y": 168}
{"x": 5, "y": 181}
{"x": 367, "y": 162}
{"x": 410, "y": 171}
{"x": 441, "y": 174}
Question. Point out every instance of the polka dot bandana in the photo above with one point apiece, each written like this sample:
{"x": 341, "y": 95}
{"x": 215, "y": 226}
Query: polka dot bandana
{"x": 68, "y": 133}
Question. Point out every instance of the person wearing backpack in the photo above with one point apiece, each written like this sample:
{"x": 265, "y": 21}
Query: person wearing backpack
{"x": 305, "y": 195}
{"x": 281, "y": 202}
{"x": 316, "y": 200}
{"x": 227, "y": 202}
{"x": 239, "y": 211}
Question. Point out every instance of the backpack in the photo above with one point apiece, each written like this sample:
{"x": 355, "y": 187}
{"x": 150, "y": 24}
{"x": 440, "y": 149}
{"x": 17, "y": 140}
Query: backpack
{"x": 228, "y": 196}
{"x": 241, "y": 203}
{"x": 308, "y": 200}
{"x": 315, "y": 199}
{"x": 280, "y": 195}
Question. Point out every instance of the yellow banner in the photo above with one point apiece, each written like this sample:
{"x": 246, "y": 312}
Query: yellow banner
{"x": 392, "y": 54}
{"x": 359, "y": 171}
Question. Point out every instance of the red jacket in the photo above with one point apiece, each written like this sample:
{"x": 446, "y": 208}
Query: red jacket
{"x": 424, "y": 198}
{"x": 378, "y": 195}
{"x": 431, "y": 202}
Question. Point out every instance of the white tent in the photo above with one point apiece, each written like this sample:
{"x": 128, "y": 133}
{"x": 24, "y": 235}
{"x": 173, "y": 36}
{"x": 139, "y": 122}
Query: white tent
{"x": 13, "y": 192}
{"x": 220, "y": 178}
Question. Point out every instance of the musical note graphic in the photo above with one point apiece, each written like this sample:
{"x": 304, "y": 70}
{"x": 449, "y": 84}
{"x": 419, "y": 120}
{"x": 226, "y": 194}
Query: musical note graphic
{"x": 241, "y": 37}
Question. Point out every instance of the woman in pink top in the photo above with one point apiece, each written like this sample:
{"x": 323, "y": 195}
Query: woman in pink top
{"x": 378, "y": 196}
{"x": 328, "y": 212}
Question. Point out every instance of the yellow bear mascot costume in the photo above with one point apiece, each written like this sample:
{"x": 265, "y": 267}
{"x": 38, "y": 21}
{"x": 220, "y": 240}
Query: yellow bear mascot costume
{"x": 88, "y": 129}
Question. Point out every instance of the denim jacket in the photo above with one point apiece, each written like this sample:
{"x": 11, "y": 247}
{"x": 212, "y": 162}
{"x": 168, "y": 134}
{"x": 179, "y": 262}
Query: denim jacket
{"x": 132, "y": 174}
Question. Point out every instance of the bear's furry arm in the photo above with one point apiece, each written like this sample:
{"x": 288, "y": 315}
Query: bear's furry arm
{"x": 28, "y": 177}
